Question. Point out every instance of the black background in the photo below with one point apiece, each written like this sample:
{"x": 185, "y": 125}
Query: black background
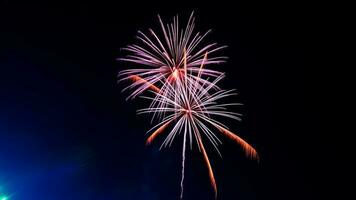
{"x": 68, "y": 133}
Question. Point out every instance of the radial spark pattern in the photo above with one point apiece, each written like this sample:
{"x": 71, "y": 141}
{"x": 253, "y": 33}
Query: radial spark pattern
{"x": 164, "y": 58}
{"x": 186, "y": 99}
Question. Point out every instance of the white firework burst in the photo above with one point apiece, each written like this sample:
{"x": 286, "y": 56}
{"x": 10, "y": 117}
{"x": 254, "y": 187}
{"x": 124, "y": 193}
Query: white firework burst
{"x": 164, "y": 59}
{"x": 190, "y": 111}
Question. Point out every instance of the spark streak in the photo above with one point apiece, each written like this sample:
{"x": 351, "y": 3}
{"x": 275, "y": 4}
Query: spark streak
{"x": 207, "y": 162}
{"x": 136, "y": 78}
{"x": 183, "y": 165}
{"x": 157, "y": 132}
{"x": 248, "y": 149}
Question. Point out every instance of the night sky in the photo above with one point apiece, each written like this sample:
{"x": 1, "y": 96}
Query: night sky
{"x": 67, "y": 132}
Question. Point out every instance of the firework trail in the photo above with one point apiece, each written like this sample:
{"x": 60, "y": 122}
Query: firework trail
{"x": 186, "y": 97}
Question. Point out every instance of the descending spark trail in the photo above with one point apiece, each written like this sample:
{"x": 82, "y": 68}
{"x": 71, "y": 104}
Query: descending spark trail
{"x": 186, "y": 98}
{"x": 249, "y": 151}
{"x": 211, "y": 174}
{"x": 183, "y": 165}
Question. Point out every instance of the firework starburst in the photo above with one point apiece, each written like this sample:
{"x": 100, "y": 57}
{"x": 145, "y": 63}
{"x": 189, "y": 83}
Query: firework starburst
{"x": 190, "y": 111}
{"x": 186, "y": 100}
{"x": 164, "y": 58}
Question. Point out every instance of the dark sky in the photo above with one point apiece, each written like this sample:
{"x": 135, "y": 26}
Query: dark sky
{"x": 67, "y": 132}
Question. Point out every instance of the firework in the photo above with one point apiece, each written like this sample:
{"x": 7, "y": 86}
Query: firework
{"x": 186, "y": 100}
{"x": 164, "y": 59}
{"x": 190, "y": 111}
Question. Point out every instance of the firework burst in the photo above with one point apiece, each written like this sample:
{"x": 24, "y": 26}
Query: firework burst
{"x": 163, "y": 59}
{"x": 186, "y": 96}
{"x": 190, "y": 111}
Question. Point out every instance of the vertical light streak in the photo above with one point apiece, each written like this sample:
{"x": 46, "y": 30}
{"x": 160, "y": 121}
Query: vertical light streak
{"x": 183, "y": 165}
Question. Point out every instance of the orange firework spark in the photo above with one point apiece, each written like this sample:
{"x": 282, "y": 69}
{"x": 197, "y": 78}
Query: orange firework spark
{"x": 207, "y": 162}
{"x": 136, "y": 78}
{"x": 248, "y": 149}
{"x": 157, "y": 132}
